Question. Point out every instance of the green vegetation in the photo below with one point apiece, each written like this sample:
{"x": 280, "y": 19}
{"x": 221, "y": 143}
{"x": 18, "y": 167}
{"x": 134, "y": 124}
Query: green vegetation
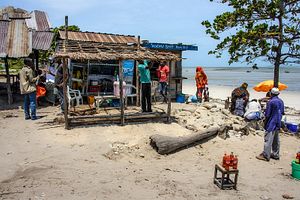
{"x": 266, "y": 29}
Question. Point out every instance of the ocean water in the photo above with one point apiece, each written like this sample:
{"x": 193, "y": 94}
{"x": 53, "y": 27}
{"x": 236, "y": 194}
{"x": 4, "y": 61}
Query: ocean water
{"x": 235, "y": 76}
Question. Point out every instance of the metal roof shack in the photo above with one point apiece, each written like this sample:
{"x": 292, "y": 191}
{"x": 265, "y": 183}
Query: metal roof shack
{"x": 38, "y": 21}
{"x": 16, "y": 39}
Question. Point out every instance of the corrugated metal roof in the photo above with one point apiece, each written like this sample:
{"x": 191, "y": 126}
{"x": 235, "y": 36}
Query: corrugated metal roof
{"x": 99, "y": 37}
{"x": 20, "y": 39}
{"x": 16, "y": 40}
{"x": 4, "y": 25}
{"x": 13, "y": 13}
{"x": 39, "y": 21}
{"x": 42, "y": 40}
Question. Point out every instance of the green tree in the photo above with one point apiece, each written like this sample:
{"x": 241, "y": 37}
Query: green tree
{"x": 44, "y": 55}
{"x": 268, "y": 29}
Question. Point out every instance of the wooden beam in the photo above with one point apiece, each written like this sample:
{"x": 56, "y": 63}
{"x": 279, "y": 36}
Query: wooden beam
{"x": 9, "y": 92}
{"x": 121, "y": 92}
{"x": 65, "y": 76}
{"x": 169, "y": 95}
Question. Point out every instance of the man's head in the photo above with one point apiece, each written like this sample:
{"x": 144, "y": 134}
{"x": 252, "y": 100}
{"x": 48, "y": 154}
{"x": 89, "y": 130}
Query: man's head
{"x": 244, "y": 85}
{"x": 28, "y": 62}
{"x": 255, "y": 100}
{"x": 275, "y": 91}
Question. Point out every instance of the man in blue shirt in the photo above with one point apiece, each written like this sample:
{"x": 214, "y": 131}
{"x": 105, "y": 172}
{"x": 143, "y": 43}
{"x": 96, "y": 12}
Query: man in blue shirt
{"x": 146, "y": 85}
{"x": 274, "y": 112}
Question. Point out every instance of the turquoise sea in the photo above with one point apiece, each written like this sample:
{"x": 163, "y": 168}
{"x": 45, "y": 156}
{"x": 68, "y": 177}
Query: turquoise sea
{"x": 235, "y": 76}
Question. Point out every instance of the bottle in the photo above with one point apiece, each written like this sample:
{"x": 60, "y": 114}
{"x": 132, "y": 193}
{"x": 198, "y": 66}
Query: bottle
{"x": 224, "y": 160}
{"x": 298, "y": 158}
{"x": 231, "y": 159}
{"x": 227, "y": 162}
{"x": 235, "y": 162}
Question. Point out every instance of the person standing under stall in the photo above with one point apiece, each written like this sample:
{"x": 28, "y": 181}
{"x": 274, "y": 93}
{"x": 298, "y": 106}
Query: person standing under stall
{"x": 28, "y": 82}
{"x": 163, "y": 76}
{"x": 273, "y": 114}
{"x": 201, "y": 83}
{"x": 145, "y": 80}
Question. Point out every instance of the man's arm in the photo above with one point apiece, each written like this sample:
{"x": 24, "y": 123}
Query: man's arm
{"x": 31, "y": 78}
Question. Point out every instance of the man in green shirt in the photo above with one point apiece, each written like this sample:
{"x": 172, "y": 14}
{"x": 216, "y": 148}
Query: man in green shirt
{"x": 145, "y": 80}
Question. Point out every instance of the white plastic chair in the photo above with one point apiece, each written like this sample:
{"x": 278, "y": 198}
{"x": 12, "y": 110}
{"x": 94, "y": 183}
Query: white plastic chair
{"x": 74, "y": 95}
{"x": 128, "y": 92}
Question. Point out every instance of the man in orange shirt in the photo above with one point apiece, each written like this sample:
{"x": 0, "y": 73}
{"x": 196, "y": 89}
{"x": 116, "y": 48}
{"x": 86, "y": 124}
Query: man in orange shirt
{"x": 163, "y": 75}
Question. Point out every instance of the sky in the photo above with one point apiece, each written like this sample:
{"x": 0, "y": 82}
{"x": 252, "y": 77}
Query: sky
{"x": 166, "y": 21}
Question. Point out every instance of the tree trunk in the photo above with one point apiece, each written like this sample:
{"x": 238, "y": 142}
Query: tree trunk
{"x": 9, "y": 92}
{"x": 166, "y": 144}
{"x": 280, "y": 45}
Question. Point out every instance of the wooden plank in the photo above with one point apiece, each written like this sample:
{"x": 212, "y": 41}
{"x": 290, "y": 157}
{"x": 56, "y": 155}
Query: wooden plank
{"x": 9, "y": 92}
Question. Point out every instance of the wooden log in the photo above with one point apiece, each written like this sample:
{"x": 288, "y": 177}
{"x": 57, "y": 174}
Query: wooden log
{"x": 165, "y": 144}
{"x": 9, "y": 92}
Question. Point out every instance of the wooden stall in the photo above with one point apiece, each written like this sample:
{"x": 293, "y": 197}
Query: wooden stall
{"x": 84, "y": 49}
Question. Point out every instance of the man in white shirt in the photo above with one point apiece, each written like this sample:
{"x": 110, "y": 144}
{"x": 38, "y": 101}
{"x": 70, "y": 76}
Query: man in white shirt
{"x": 253, "y": 110}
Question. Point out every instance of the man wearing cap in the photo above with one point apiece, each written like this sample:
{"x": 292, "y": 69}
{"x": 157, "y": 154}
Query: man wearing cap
{"x": 273, "y": 113}
{"x": 28, "y": 88}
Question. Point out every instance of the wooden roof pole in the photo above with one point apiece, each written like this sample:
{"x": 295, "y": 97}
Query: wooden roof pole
{"x": 65, "y": 76}
{"x": 169, "y": 94}
{"x": 121, "y": 92}
{"x": 9, "y": 92}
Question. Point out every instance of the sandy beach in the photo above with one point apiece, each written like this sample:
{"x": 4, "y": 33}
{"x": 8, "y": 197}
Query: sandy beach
{"x": 39, "y": 160}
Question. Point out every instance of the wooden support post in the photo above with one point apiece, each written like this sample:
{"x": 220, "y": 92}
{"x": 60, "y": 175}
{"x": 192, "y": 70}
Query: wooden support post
{"x": 65, "y": 76}
{"x": 169, "y": 95}
{"x": 36, "y": 55}
{"x": 138, "y": 76}
{"x": 9, "y": 92}
{"x": 137, "y": 84}
{"x": 121, "y": 92}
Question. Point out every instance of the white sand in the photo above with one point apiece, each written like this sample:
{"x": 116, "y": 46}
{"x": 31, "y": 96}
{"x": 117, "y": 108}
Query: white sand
{"x": 38, "y": 161}
{"x": 291, "y": 99}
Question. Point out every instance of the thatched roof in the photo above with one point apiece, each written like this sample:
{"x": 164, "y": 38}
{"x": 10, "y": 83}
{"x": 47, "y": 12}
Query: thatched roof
{"x": 82, "y": 50}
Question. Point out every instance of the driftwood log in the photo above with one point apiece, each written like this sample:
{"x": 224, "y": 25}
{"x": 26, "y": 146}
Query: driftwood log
{"x": 166, "y": 144}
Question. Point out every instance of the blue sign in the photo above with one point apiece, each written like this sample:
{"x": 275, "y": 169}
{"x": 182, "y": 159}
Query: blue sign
{"x": 128, "y": 67}
{"x": 171, "y": 47}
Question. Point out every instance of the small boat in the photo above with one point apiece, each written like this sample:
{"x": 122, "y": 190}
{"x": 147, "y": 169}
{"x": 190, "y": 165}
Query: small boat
{"x": 286, "y": 71}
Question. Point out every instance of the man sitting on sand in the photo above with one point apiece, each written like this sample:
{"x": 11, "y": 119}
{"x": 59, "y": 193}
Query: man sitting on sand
{"x": 238, "y": 93}
{"x": 274, "y": 112}
{"x": 253, "y": 110}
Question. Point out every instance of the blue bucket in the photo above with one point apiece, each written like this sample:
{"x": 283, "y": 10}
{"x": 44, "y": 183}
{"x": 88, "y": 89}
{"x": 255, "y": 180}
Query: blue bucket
{"x": 180, "y": 98}
{"x": 293, "y": 127}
